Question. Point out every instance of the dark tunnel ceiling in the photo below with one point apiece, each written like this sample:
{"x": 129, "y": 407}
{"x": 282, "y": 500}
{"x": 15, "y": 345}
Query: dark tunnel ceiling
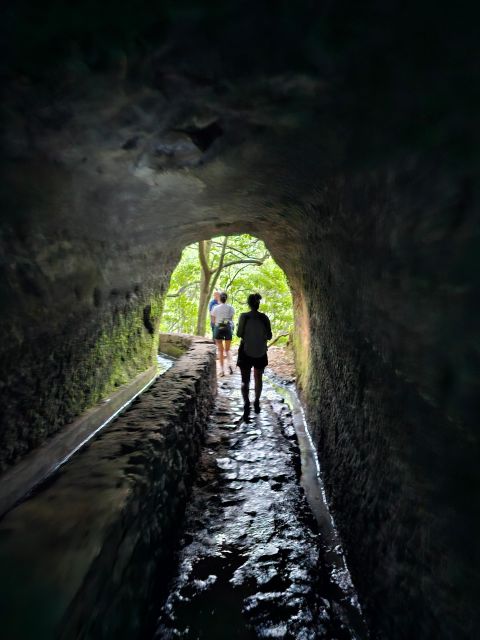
{"x": 391, "y": 71}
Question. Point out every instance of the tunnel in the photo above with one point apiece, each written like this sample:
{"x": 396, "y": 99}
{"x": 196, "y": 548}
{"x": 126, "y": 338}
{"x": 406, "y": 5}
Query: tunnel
{"x": 343, "y": 136}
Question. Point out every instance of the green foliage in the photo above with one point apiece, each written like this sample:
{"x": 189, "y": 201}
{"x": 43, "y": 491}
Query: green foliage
{"x": 238, "y": 280}
{"x": 123, "y": 349}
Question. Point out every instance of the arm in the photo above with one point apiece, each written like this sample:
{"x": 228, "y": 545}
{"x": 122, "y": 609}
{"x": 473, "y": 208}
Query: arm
{"x": 241, "y": 325}
{"x": 268, "y": 328}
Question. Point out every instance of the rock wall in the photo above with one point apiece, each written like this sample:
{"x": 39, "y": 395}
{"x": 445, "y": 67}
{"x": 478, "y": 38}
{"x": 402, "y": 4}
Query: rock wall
{"x": 82, "y": 558}
{"x": 383, "y": 268}
{"x": 81, "y": 304}
{"x": 352, "y": 150}
{"x": 389, "y": 302}
{"x": 173, "y": 344}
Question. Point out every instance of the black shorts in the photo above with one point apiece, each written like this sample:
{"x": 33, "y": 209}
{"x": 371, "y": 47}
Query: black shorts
{"x": 222, "y": 333}
{"x": 247, "y": 362}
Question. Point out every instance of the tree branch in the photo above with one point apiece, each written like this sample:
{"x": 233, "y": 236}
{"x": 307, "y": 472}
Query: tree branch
{"x": 232, "y": 279}
{"x": 182, "y": 289}
{"x": 202, "y": 254}
{"x": 221, "y": 266}
{"x": 280, "y": 335}
{"x": 234, "y": 249}
{"x": 258, "y": 261}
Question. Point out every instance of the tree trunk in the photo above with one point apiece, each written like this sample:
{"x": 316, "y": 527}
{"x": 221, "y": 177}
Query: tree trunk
{"x": 210, "y": 275}
{"x": 203, "y": 253}
{"x": 214, "y": 273}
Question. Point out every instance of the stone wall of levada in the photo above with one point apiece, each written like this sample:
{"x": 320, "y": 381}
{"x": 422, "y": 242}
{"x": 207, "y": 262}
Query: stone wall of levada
{"x": 99, "y": 534}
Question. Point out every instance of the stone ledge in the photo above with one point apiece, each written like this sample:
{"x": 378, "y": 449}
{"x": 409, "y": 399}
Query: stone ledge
{"x": 174, "y": 344}
{"x": 96, "y": 537}
{"x": 37, "y": 465}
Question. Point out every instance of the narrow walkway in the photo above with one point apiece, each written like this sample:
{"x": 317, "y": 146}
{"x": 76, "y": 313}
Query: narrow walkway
{"x": 251, "y": 558}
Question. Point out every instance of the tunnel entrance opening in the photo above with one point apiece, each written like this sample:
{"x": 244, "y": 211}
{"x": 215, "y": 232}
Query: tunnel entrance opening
{"x": 258, "y": 545}
{"x": 237, "y": 265}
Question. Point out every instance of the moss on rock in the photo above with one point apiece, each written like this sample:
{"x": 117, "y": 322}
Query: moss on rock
{"x": 88, "y": 358}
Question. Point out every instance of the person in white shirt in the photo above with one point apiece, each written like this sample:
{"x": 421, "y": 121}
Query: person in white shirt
{"x": 255, "y": 330}
{"x": 222, "y": 320}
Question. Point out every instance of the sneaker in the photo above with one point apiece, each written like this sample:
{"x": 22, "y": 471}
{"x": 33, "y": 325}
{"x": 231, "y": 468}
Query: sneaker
{"x": 256, "y": 406}
{"x": 230, "y": 368}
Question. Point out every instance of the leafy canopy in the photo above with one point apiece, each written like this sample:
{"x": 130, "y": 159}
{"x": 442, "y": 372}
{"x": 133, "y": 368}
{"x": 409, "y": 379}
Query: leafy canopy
{"x": 237, "y": 280}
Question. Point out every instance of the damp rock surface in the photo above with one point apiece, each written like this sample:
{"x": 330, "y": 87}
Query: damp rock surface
{"x": 81, "y": 555}
{"x": 250, "y": 558}
{"x": 358, "y": 168}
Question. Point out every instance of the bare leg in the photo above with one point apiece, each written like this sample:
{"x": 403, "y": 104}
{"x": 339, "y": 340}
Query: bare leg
{"x": 228, "y": 354}
{"x": 220, "y": 353}
{"x": 246, "y": 387}
{"x": 257, "y": 375}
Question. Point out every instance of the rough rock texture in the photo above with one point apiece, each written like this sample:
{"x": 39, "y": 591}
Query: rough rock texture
{"x": 346, "y": 138}
{"x": 82, "y": 557}
{"x": 95, "y": 329}
{"x": 392, "y": 398}
{"x": 173, "y": 344}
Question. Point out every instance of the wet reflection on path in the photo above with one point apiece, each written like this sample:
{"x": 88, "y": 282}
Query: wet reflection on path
{"x": 253, "y": 562}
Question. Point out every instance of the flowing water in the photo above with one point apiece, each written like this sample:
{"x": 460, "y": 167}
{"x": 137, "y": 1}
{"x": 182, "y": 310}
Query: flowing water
{"x": 259, "y": 556}
{"x": 164, "y": 362}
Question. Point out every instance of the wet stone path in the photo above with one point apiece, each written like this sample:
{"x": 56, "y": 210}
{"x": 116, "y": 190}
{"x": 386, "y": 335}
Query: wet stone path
{"x": 250, "y": 555}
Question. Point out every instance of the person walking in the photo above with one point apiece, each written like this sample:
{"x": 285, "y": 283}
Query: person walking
{"x": 255, "y": 330}
{"x": 222, "y": 319}
{"x": 211, "y": 304}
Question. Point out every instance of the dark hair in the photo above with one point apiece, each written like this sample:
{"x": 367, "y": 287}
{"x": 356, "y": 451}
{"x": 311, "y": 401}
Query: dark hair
{"x": 223, "y": 297}
{"x": 253, "y": 300}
